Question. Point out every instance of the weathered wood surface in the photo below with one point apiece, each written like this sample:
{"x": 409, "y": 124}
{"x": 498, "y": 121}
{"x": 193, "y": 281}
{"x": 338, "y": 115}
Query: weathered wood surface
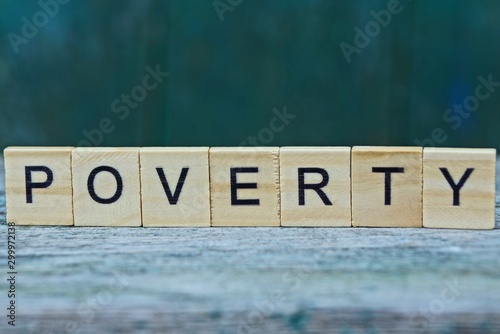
{"x": 260, "y": 280}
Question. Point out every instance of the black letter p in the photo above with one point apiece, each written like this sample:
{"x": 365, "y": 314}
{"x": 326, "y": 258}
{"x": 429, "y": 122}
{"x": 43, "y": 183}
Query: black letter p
{"x": 30, "y": 185}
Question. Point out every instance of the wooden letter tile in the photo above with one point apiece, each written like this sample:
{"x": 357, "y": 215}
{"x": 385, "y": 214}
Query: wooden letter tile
{"x": 244, "y": 185}
{"x": 315, "y": 186}
{"x": 175, "y": 187}
{"x": 106, "y": 187}
{"x": 38, "y": 185}
{"x": 387, "y": 186}
{"x": 459, "y": 188}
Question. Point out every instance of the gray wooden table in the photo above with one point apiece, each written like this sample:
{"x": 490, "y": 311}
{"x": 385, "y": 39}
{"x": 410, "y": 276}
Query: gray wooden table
{"x": 253, "y": 280}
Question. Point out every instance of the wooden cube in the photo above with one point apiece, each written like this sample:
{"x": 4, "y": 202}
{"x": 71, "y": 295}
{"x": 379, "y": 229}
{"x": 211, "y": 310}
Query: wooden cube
{"x": 175, "y": 187}
{"x": 106, "y": 187}
{"x": 244, "y": 186}
{"x": 315, "y": 186}
{"x": 38, "y": 185}
{"x": 387, "y": 186}
{"x": 459, "y": 188}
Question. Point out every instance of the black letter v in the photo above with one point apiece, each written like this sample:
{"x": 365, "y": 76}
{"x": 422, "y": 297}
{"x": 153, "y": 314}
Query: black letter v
{"x": 172, "y": 199}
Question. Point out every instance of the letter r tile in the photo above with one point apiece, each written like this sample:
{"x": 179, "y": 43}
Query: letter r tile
{"x": 459, "y": 188}
{"x": 244, "y": 186}
{"x": 315, "y": 186}
{"x": 387, "y": 186}
{"x": 106, "y": 187}
{"x": 38, "y": 185}
{"x": 175, "y": 187}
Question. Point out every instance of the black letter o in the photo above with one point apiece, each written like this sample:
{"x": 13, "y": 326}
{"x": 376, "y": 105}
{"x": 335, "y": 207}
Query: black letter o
{"x": 119, "y": 185}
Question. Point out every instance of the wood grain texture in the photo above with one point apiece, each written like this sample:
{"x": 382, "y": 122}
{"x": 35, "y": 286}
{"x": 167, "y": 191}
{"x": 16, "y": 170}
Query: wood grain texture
{"x": 334, "y": 209}
{"x": 51, "y": 200}
{"x": 372, "y": 204}
{"x": 192, "y": 206}
{"x": 260, "y": 185}
{"x": 126, "y": 209}
{"x": 265, "y": 280}
{"x": 472, "y": 205}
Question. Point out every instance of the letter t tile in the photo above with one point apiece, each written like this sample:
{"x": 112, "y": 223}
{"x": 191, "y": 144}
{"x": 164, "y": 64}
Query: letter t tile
{"x": 387, "y": 186}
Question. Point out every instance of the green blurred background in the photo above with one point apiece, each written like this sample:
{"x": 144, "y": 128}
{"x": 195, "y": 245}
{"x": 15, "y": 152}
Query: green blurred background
{"x": 232, "y": 62}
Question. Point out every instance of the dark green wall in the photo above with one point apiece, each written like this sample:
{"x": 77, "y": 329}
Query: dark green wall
{"x": 227, "y": 76}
